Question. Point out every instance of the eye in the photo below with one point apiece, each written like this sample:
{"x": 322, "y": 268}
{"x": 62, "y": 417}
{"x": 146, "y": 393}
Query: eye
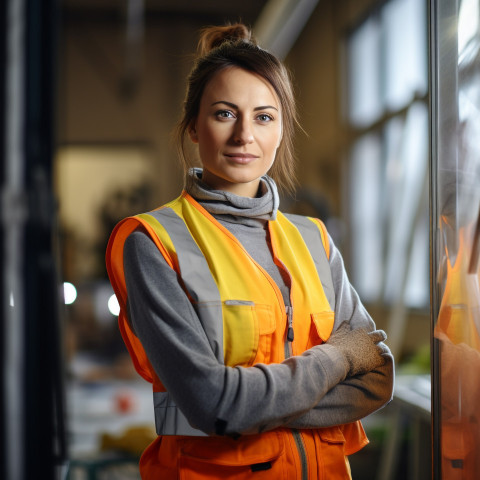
{"x": 265, "y": 117}
{"x": 224, "y": 114}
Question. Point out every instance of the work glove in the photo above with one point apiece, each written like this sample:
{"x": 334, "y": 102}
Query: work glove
{"x": 359, "y": 348}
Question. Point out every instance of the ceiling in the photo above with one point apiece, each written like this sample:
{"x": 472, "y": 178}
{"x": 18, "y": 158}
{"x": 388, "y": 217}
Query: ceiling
{"x": 210, "y": 10}
{"x": 276, "y": 23}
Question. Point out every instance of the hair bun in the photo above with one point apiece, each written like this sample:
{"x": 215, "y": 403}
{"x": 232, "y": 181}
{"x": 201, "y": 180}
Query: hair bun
{"x": 213, "y": 37}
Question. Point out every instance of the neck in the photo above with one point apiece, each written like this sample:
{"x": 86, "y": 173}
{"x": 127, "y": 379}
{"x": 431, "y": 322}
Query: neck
{"x": 248, "y": 189}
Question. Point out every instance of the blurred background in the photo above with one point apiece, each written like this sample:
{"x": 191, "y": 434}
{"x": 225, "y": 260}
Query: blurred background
{"x": 93, "y": 89}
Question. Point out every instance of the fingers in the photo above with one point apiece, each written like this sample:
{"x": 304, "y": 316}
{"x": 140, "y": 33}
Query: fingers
{"x": 381, "y": 358}
{"x": 378, "y": 336}
{"x": 382, "y": 348}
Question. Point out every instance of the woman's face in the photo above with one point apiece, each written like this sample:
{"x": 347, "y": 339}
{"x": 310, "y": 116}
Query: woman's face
{"x": 238, "y": 130}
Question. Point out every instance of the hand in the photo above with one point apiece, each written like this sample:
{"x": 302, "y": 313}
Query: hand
{"x": 359, "y": 348}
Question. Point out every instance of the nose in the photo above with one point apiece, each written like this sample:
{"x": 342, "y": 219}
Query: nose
{"x": 243, "y": 133}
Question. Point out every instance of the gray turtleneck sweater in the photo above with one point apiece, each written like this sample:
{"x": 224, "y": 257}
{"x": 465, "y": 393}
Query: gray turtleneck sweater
{"x": 306, "y": 391}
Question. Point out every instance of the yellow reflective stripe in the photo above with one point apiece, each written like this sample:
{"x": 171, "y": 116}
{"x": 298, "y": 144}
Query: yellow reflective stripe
{"x": 239, "y": 280}
{"x": 206, "y": 232}
{"x": 291, "y": 247}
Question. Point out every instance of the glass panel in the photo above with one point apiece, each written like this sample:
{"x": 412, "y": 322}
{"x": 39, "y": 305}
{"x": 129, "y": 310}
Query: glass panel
{"x": 456, "y": 294}
{"x": 365, "y": 104}
{"x": 467, "y": 24}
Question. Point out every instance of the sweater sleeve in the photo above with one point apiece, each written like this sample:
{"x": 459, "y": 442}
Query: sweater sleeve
{"x": 246, "y": 400}
{"x": 359, "y": 396}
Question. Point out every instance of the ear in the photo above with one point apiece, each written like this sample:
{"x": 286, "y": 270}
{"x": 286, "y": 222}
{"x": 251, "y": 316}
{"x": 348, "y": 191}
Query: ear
{"x": 192, "y": 132}
{"x": 280, "y": 137}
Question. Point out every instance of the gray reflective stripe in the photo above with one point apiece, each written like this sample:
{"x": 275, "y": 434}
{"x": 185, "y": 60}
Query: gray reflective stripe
{"x": 313, "y": 239}
{"x": 198, "y": 280}
{"x": 169, "y": 420}
{"x": 196, "y": 277}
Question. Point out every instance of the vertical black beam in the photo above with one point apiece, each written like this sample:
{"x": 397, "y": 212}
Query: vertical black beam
{"x": 42, "y": 380}
{"x": 31, "y": 407}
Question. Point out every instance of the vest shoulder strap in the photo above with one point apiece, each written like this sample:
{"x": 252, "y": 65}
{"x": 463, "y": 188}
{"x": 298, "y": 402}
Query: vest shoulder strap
{"x": 315, "y": 235}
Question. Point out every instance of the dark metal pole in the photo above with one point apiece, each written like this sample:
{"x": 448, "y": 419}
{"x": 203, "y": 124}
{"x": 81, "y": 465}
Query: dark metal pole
{"x": 43, "y": 381}
{"x": 33, "y": 437}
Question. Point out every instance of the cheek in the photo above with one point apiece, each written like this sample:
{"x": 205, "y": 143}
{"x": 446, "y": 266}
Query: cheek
{"x": 209, "y": 145}
{"x": 211, "y": 137}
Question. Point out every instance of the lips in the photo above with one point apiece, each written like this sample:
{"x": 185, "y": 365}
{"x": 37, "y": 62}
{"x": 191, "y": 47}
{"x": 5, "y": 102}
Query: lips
{"x": 241, "y": 158}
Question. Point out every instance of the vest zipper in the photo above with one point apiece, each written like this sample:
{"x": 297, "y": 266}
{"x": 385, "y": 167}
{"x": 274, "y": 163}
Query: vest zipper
{"x": 290, "y": 332}
{"x": 287, "y": 346}
{"x": 297, "y": 436}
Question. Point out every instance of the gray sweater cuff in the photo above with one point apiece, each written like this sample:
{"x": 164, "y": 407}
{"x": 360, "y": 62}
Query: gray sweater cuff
{"x": 331, "y": 362}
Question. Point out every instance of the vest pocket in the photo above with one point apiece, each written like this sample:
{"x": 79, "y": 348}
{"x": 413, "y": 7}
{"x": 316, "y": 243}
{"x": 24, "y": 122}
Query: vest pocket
{"x": 257, "y": 456}
{"x": 334, "y": 464}
{"x": 247, "y": 329}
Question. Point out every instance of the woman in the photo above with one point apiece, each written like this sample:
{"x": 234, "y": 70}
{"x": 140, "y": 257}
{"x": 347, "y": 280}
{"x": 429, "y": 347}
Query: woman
{"x": 262, "y": 357}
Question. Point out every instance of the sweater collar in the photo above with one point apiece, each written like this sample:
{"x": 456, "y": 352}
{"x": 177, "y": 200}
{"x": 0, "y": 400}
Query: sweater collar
{"x": 234, "y": 208}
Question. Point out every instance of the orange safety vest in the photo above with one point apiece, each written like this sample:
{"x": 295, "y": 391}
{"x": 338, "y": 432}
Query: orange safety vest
{"x": 241, "y": 309}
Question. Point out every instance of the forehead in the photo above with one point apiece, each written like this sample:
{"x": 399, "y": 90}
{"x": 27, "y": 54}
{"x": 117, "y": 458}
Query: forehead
{"x": 241, "y": 87}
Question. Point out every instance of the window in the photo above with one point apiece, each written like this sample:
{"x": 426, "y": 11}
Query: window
{"x": 388, "y": 154}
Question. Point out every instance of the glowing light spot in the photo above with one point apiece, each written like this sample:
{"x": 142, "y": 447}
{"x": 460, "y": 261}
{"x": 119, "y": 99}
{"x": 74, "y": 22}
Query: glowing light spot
{"x": 113, "y": 305}
{"x": 69, "y": 293}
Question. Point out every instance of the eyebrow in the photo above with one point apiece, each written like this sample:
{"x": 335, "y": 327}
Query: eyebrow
{"x": 232, "y": 105}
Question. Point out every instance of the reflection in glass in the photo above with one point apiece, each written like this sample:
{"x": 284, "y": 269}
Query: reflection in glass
{"x": 457, "y": 327}
{"x": 467, "y": 23}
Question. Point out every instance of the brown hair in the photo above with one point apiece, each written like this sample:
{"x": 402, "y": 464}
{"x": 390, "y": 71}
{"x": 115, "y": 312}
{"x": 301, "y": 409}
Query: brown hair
{"x": 220, "y": 47}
